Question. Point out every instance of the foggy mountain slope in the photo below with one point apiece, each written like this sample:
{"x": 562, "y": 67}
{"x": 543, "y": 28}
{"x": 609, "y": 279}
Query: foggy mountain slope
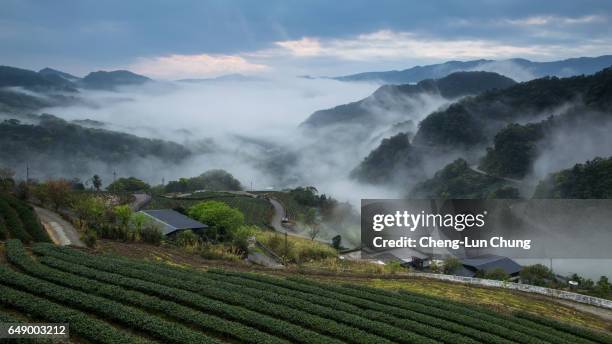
{"x": 53, "y": 72}
{"x": 102, "y": 80}
{"x": 54, "y": 148}
{"x": 30, "y": 80}
{"x": 402, "y": 99}
{"x": 518, "y": 69}
{"x": 467, "y": 127}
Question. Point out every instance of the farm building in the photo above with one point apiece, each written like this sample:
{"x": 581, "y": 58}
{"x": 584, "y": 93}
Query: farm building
{"x": 173, "y": 222}
{"x": 488, "y": 263}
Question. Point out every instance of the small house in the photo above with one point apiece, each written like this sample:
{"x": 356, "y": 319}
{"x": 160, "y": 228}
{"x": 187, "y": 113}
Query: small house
{"x": 171, "y": 222}
{"x": 488, "y": 263}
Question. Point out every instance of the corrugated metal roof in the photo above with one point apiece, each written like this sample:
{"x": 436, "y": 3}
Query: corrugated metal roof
{"x": 492, "y": 262}
{"x": 173, "y": 220}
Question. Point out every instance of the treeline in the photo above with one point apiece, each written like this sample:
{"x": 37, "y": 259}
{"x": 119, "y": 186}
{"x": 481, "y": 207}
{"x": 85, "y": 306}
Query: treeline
{"x": 212, "y": 180}
{"x": 69, "y": 149}
{"x": 495, "y": 119}
{"x": 593, "y": 179}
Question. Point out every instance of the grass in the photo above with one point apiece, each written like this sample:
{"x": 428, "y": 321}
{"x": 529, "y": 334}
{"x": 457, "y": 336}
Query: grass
{"x": 498, "y": 299}
{"x": 298, "y": 250}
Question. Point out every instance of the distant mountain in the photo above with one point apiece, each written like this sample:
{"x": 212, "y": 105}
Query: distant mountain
{"x": 102, "y": 80}
{"x": 30, "y": 80}
{"x": 49, "y": 72}
{"x": 401, "y": 98}
{"x": 511, "y": 68}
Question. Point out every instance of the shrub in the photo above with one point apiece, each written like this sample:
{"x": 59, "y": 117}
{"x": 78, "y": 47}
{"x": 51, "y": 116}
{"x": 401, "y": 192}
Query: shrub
{"x": 186, "y": 238}
{"x": 151, "y": 234}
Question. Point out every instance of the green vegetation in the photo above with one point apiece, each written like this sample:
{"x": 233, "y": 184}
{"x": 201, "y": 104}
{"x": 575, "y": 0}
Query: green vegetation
{"x": 75, "y": 146}
{"x": 296, "y": 250}
{"x": 383, "y": 163}
{"x": 213, "y": 180}
{"x": 223, "y": 220}
{"x": 256, "y": 211}
{"x": 593, "y": 179}
{"x": 130, "y": 184}
{"x": 231, "y": 306}
{"x": 514, "y": 150}
{"x": 457, "y": 180}
{"x": 19, "y": 221}
{"x": 393, "y": 98}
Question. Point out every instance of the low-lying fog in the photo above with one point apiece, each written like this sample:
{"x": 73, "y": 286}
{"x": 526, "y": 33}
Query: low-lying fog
{"x": 249, "y": 128}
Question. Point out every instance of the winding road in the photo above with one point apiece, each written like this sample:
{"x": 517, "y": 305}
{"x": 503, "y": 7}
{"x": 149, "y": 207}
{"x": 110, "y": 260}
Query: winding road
{"x": 61, "y": 231}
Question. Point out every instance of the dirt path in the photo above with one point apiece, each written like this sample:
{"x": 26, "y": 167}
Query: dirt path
{"x": 62, "y": 232}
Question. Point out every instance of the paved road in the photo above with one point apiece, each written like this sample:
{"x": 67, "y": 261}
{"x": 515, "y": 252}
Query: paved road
{"x": 277, "y": 217}
{"x": 61, "y": 231}
{"x": 140, "y": 200}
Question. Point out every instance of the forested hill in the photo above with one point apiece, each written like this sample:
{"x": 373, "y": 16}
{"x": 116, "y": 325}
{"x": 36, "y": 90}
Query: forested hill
{"x": 593, "y": 179}
{"x": 56, "y": 147}
{"x": 501, "y": 117}
{"x": 402, "y": 98}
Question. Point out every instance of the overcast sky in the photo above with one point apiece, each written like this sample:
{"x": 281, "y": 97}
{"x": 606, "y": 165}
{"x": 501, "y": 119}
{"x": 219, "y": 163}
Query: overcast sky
{"x": 179, "y": 39}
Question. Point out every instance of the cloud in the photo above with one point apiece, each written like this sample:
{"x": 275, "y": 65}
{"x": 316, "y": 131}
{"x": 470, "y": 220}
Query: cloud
{"x": 392, "y": 45}
{"x": 556, "y": 20}
{"x": 177, "y": 66}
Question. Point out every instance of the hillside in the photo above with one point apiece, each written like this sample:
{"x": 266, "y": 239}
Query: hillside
{"x": 458, "y": 181}
{"x": 19, "y": 221}
{"x": 403, "y": 99}
{"x": 103, "y": 80}
{"x": 382, "y": 164}
{"x": 56, "y": 147}
{"x": 30, "y": 80}
{"x": 100, "y": 293}
{"x": 562, "y": 68}
{"x": 593, "y": 179}
{"x": 470, "y": 125}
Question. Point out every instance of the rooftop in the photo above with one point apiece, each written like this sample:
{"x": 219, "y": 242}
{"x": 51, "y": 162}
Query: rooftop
{"x": 173, "y": 220}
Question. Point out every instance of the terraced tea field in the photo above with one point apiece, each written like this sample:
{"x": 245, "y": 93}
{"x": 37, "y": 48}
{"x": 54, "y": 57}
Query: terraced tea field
{"x": 18, "y": 221}
{"x": 110, "y": 299}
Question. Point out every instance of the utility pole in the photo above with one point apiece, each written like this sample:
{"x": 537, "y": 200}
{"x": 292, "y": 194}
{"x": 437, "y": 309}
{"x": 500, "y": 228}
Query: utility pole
{"x": 114, "y": 176}
{"x": 27, "y": 173}
{"x": 163, "y": 181}
{"x": 286, "y": 249}
{"x": 251, "y": 186}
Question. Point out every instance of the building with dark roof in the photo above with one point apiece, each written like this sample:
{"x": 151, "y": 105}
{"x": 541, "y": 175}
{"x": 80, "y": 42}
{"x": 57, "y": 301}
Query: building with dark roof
{"x": 172, "y": 222}
{"x": 488, "y": 263}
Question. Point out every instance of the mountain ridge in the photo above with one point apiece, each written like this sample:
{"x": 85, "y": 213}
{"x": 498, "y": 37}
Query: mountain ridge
{"x": 560, "y": 68}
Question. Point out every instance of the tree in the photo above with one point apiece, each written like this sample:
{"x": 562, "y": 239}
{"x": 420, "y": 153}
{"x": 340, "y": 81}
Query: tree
{"x": 537, "y": 274}
{"x": 310, "y": 220}
{"x": 337, "y": 242}
{"x": 130, "y": 184}
{"x": 222, "y": 219}
{"x": 58, "y": 192}
{"x": 124, "y": 214}
{"x": 451, "y": 264}
{"x": 90, "y": 210}
{"x": 7, "y": 183}
{"x": 97, "y": 182}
